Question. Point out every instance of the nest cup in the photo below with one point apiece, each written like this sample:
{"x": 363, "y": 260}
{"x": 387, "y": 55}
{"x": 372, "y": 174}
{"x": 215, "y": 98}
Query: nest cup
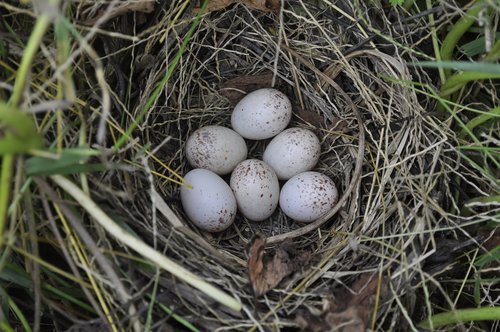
{"x": 223, "y": 77}
{"x": 338, "y": 133}
{"x": 211, "y": 82}
{"x": 335, "y": 91}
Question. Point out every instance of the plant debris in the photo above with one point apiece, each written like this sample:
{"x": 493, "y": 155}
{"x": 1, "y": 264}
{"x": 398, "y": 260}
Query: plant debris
{"x": 265, "y": 272}
{"x": 311, "y": 117}
{"x": 146, "y": 6}
{"x": 264, "y": 5}
{"x": 348, "y": 311}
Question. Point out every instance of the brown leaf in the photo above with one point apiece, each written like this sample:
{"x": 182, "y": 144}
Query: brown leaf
{"x": 145, "y": 6}
{"x": 265, "y": 272}
{"x": 214, "y": 5}
{"x": 236, "y": 88}
{"x": 348, "y": 312}
{"x": 255, "y": 252}
{"x": 264, "y": 5}
{"x": 310, "y": 117}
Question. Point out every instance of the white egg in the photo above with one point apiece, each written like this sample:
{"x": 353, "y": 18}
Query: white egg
{"x": 256, "y": 189}
{"x": 210, "y": 203}
{"x": 293, "y": 151}
{"x": 261, "y": 114}
{"x": 308, "y": 196}
{"x": 216, "y": 148}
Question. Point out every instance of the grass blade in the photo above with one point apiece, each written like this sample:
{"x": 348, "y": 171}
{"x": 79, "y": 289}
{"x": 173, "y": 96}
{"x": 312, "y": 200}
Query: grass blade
{"x": 458, "y": 30}
{"x": 467, "y": 66}
{"x": 461, "y": 316}
{"x": 478, "y": 120}
{"x": 142, "y": 248}
{"x": 20, "y": 133}
{"x": 165, "y": 79}
{"x": 69, "y": 161}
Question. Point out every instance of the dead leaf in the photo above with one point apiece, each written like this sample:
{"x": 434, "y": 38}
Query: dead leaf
{"x": 347, "y": 312}
{"x": 263, "y": 5}
{"x": 310, "y": 117}
{"x": 338, "y": 125}
{"x": 214, "y": 5}
{"x": 236, "y": 88}
{"x": 145, "y": 6}
{"x": 265, "y": 272}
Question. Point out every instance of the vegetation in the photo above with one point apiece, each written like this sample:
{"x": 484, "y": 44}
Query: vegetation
{"x": 97, "y": 99}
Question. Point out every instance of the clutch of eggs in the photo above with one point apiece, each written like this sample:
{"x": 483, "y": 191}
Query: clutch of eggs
{"x": 253, "y": 190}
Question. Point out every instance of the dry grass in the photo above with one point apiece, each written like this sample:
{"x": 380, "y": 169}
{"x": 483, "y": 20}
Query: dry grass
{"x": 335, "y": 59}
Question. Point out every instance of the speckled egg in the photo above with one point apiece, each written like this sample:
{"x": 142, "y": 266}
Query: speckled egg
{"x": 308, "y": 196}
{"x": 256, "y": 189}
{"x": 210, "y": 203}
{"x": 293, "y": 151}
{"x": 216, "y": 148}
{"x": 261, "y": 114}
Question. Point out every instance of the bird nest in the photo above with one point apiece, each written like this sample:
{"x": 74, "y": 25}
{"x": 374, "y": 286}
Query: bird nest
{"x": 346, "y": 85}
{"x": 347, "y": 80}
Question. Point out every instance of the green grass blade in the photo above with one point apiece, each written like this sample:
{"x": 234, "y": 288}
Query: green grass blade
{"x": 459, "y": 29}
{"x": 478, "y": 120}
{"x": 14, "y": 274}
{"x": 69, "y": 161}
{"x": 466, "y": 66}
{"x": 477, "y": 47}
{"x": 471, "y": 71}
{"x": 20, "y": 133}
{"x": 461, "y": 316}
{"x": 494, "y": 54}
{"x": 41, "y": 26}
{"x": 16, "y": 311}
{"x": 151, "y": 305}
{"x": 5, "y": 326}
{"x": 5, "y": 180}
{"x": 175, "y": 316}
{"x": 68, "y": 297}
{"x": 492, "y": 256}
{"x": 63, "y": 42}
{"x": 165, "y": 79}
{"x": 142, "y": 248}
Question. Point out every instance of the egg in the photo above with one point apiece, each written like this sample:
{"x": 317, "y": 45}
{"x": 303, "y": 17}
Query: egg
{"x": 293, "y": 151}
{"x": 261, "y": 114}
{"x": 210, "y": 203}
{"x": 308, "y": 196}
{"x": 256, "y": 189}
{"x": 216, "y": 148}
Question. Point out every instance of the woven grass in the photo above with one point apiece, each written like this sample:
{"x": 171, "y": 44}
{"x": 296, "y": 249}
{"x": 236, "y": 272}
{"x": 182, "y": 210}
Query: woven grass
{"x": 349, "y": 65}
